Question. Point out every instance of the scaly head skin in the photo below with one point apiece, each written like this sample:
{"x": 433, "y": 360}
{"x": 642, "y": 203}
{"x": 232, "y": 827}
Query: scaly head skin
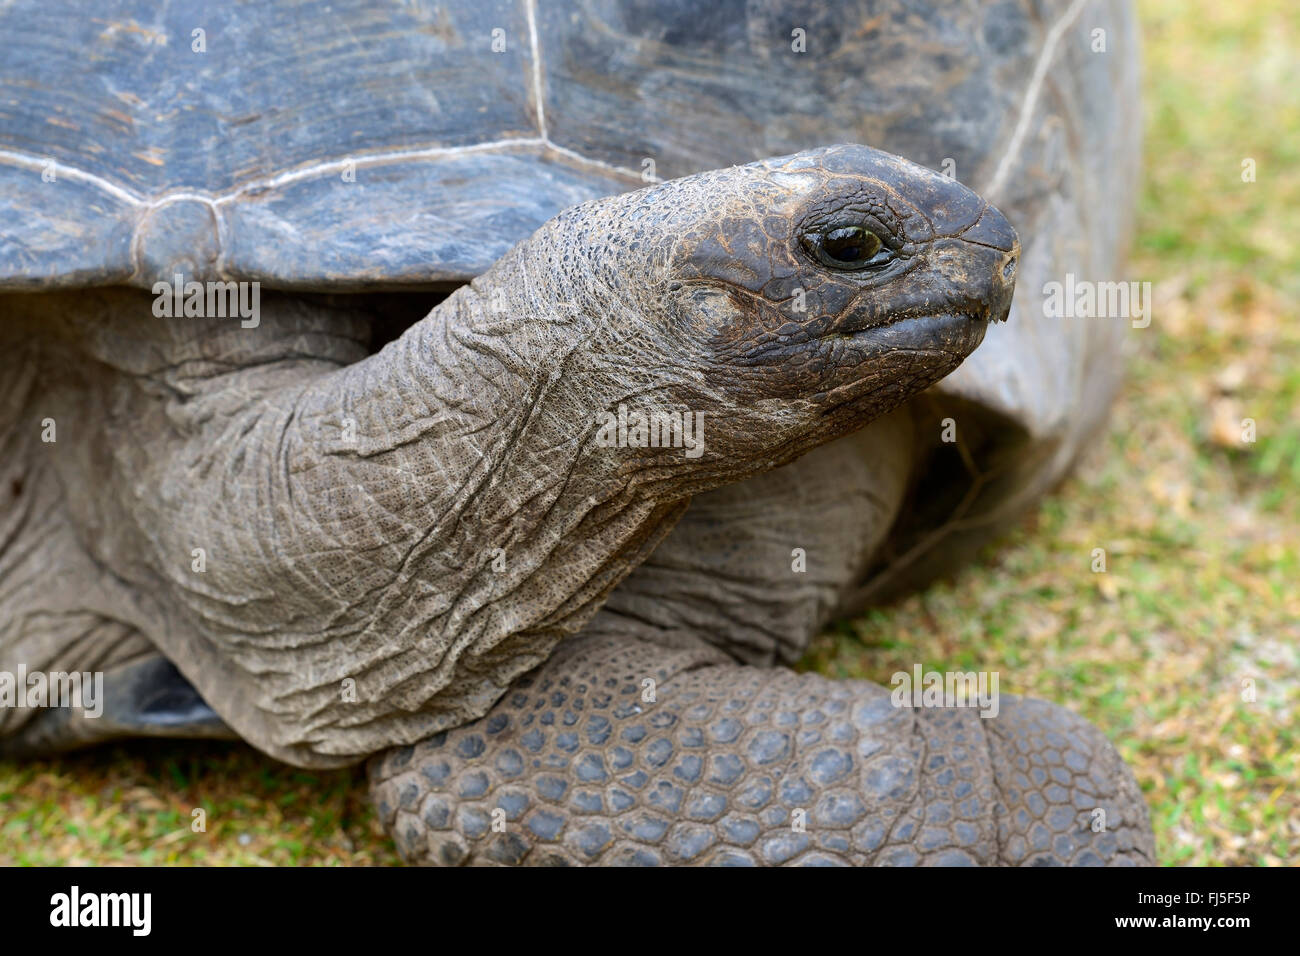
{"x": 421, "y": 526}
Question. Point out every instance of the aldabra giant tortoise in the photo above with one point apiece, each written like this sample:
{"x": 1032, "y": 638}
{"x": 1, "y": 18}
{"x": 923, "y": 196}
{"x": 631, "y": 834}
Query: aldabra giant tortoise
{"x": 454, "y": 546}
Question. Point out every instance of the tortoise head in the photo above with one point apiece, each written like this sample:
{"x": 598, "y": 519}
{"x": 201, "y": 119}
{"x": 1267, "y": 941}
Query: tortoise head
{"x": 841, "y": 279}
{"x": 844, "y": 273}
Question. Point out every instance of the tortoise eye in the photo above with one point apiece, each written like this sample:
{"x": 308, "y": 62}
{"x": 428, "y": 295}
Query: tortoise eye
{"x": 848, "y": 247}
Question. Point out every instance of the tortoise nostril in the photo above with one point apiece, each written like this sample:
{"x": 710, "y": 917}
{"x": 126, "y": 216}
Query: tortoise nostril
{"x": 1009, "y": 270}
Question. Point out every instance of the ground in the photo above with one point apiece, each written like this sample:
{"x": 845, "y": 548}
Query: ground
{"x": 1201, "y": 531}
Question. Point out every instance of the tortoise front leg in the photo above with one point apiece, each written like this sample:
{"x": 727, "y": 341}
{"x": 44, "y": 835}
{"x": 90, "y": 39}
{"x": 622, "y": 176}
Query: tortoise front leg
{"x": 618, "y": 751}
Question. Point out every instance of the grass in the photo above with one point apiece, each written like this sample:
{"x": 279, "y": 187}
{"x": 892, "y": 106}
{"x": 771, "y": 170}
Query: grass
{"x": 1202, "y": 533}
{"x": 135, "y": 804}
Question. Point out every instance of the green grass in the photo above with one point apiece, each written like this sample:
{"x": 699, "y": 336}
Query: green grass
{"x": 1201, "y": 532}
{"x": 135, "y": 804}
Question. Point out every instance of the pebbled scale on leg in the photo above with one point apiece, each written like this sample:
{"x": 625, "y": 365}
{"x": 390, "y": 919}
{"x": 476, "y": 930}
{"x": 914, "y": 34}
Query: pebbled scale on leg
{"x": 575, "y": 766}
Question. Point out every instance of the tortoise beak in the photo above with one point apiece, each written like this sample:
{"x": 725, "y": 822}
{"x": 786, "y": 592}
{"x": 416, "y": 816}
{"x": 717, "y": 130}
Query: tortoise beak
{"x": 1006, "y": 277}
{"x": 991, "y": 229}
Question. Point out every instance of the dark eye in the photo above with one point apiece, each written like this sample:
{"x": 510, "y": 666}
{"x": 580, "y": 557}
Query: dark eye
{"x": 847, "y": 247}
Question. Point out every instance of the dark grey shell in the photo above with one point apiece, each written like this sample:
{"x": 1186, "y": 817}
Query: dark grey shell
{"x": 350, "y": 145}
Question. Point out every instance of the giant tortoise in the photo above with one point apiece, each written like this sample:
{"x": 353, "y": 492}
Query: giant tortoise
{"x": 560, "y": 416}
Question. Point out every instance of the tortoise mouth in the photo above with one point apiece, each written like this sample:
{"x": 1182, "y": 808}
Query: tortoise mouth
{"x": 942, "y": 331}
{"x": 883, "y": 365}
{"x": 942, "y": 309}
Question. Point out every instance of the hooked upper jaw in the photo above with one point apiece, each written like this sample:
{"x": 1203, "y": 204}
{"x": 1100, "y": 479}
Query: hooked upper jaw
{"x": 992, "y": 232}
